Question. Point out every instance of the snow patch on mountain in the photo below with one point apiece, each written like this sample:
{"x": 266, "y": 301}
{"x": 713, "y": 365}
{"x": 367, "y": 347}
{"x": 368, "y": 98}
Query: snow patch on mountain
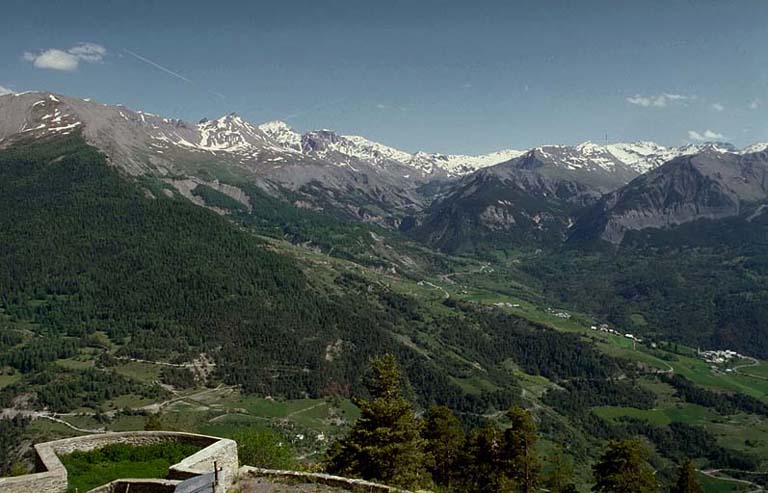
{"x": 758, "y": 147}
{"x": 283, "y": 134}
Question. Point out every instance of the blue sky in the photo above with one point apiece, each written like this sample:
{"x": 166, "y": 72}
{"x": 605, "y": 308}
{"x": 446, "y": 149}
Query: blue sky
{"x": 448, "y": 76}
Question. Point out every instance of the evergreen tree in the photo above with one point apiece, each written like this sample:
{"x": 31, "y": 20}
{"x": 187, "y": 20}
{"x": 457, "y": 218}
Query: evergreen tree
{"x": 385, "y": 444}
{"x": 519, "y": 451}
{"x": 687, "y": 482}
{"x": 445, "y": 440}
{"x": 560, "y": 477}
{"x": 624, "y": 468}
{"x": 482, "y": 470}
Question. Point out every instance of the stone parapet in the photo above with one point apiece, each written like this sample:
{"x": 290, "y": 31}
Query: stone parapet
{"x": 52, "y": 475}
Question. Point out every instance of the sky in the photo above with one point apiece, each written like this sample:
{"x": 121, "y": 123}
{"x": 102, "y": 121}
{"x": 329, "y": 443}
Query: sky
{"x": 440, "y": 76}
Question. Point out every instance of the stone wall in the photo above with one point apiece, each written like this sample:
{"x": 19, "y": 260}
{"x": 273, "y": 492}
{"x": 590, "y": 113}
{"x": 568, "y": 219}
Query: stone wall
{"x": 42, "y": 482}
{"x": 52, "y": 476}
{"x": 223, "y": 452}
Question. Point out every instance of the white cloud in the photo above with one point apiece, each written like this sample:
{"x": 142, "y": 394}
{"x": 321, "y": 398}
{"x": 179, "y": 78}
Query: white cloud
{"x": 88, "y": 52}
{"x": 707, "y": 135}
{"x": 676, "y": 97}
{"x": 53, "y": 59}
{"x": 4, "y": 91}
{"x": 69, "y": 60}
{"x": 718, "y": 107}
{"x": 657, "y": 100}
{"x": 755, "y": 104}
{"x": 382, "y": 106}
{"x": 646, "y": 101}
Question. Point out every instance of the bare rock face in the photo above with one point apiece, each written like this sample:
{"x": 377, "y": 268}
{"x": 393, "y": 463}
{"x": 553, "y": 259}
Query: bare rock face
{"x": 709, "y": 185}
{"x": 498, "y": 217}
{"x": 502, "y": 205}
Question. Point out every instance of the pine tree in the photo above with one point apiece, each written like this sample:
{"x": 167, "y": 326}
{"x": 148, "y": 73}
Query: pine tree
{"x": 482, "y": 468}
{"x": 519, "y": 452}
{"x": 445, "y": 440}
{"x": 560, "y": 477}
{"x": 624, "y": 468}
{"x": 385, "y": 443}
{"x": 687, "y": 482}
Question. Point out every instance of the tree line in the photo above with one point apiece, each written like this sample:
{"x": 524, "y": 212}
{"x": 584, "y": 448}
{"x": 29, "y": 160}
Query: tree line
{"x": 391, "y": 444}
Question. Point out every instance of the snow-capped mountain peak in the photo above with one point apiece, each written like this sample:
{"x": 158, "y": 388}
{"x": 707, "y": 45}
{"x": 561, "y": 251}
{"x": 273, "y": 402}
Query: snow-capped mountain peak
{"x": 757, "y": 147}
{"x": 376, "y": 151}
{"x": 344, "y": 149}
{"x": 282, "y": 133}
{"x": 229, "y": 133}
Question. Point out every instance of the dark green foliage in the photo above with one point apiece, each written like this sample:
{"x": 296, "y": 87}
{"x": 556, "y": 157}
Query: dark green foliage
{"x": 215, "y": 198}
{"x": 445, "y": 441}
{"x": 483, "y": 467}
{"x": 559, "y": 479}
{"x": 63, "y": 391}
{"x": 579, "y": 395}
{"x": 168, "y": 280}
{"x": 624, "y": 468}
{"x": 264, "y": 447}
{"x": 679, "y": 441}
{"x": 385, "y": 444}
{"x": 721, "y": 402}
{"x": 84, "y": 249}
{"x": 10, "y": 434}
{"x": 86, "y": 470}
{"x": 180, "y": 378}
{"x": 330, "y": 230}
{"x": 538, "y": 349}
{"x": 37, "y": 353}
{"x": 687, "y": 481}
{"x": 519, "y": 451}
{"x": 9, "y": 338}
{"x": 703, "y": 283}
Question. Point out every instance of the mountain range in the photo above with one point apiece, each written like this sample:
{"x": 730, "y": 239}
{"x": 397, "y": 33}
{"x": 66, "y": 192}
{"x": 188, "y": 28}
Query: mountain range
{"x": 451, "y": 201}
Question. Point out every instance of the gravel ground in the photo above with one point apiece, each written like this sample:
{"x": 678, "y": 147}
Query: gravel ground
{"x": 265, "y": 485}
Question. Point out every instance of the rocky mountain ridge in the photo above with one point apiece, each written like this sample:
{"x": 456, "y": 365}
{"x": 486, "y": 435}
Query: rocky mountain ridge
{"x": 709, "y": 185}
{"x": 437, "y": 196}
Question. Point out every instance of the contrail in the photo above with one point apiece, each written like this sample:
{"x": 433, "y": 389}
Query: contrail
{"x": 169, "y": 71}
{"x": 157, "y": 65}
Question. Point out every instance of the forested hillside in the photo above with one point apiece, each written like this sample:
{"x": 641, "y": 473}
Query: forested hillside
{"x": 85, "y": 251}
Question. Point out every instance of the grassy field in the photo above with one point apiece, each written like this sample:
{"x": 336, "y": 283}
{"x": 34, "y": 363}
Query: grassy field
{"x": 8, "y": 379}
{"x": 681, "y": 413}
{"x": 715, "y": 485}
{"x": 87, "y": 470}
{"x": 143, "y": 372}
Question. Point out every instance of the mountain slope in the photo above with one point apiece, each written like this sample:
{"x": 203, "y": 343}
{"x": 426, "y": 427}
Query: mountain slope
{"x": 533, "y": 198}
{"x": 84, "y": 249}
{"x": 709, "y": 185}
{"x": 227, "y": 149}
{"x": 500, "y": 207}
